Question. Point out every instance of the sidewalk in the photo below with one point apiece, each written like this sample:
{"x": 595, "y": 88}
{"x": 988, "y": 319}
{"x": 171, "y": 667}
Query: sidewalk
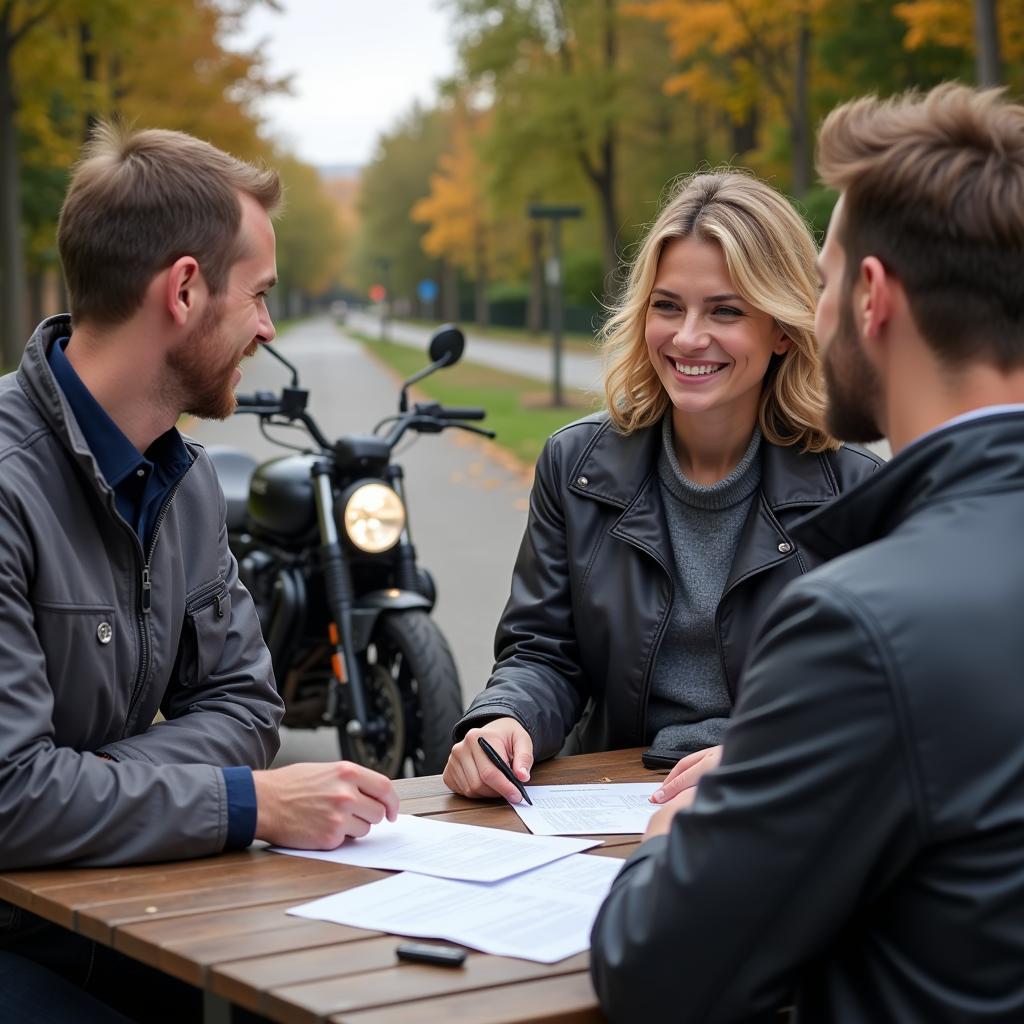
{"x": 580, "y": 370}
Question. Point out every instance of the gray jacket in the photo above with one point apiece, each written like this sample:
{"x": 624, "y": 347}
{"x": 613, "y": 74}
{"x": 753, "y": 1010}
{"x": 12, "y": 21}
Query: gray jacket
{"x": 97, "y": 635}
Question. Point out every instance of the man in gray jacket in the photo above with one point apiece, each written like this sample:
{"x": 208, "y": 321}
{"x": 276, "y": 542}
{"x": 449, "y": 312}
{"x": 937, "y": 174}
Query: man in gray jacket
{"x": 119, "y": 597}
{"x": 859, "y": 853}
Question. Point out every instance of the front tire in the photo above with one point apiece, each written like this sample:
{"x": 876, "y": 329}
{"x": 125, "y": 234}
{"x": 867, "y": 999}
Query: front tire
{"x": 413, "y": 686}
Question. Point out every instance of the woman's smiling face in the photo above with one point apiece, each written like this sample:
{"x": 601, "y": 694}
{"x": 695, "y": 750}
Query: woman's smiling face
{"x": 710, "y": 347}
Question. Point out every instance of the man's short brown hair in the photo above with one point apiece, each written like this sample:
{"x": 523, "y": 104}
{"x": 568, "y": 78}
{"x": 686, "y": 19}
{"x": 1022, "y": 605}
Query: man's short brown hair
{"x": 137, "y": 202}
{"x": 933, "y": 186}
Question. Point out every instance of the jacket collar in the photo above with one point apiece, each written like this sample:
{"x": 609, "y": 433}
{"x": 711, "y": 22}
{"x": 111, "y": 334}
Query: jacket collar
{"x": 38, "y": 382}
{"x": 618, "y": 469}
{"x": 978, "y": 456}
{"x": 614, "y": 467}
{"x": 36, "y": 378}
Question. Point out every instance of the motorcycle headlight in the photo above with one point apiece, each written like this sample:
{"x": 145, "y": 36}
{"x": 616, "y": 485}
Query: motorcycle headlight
{"x": 374, "y": 517}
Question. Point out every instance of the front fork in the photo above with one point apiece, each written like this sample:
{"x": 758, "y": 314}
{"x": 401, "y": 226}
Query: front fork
{"x": 406, "y": 575}
{"x": 340, "y": 596}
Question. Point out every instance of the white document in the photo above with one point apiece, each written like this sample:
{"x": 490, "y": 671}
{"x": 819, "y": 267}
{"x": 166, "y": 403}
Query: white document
{"x": 544, "y": 915}
{"x": 621, "y": 808}
{"x": 446, "y": 849}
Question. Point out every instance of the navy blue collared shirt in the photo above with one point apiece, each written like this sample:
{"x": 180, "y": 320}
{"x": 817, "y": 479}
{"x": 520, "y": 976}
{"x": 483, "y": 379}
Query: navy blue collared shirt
{"x": 141, "y": 485}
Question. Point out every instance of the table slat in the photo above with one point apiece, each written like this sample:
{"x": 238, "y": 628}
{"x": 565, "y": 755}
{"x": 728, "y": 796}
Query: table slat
{"x": 568, "y": 999}
{"x": 99, "y": 922}
{"x": 309, "y": 1003}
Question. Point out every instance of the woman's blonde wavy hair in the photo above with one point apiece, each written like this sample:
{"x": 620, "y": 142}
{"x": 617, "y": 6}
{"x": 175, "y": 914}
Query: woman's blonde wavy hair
{"x": 770, "y": 255}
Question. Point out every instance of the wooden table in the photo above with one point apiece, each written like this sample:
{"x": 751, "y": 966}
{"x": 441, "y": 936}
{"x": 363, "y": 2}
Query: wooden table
{"x": 220, "y": 924}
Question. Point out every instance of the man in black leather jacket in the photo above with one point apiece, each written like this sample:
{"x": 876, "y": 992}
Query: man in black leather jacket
{"x": 859, "y": 852}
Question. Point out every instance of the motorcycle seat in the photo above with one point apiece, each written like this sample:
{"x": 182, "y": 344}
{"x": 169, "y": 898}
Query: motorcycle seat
{"x": 234, "y": 470}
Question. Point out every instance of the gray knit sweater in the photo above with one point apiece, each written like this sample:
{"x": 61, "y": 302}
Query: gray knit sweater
{"x": 689, "y": 703}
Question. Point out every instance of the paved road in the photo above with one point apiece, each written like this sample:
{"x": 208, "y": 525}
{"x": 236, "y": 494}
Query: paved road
{"x": 467, "y": 501}
{"x": 580, "y": 370}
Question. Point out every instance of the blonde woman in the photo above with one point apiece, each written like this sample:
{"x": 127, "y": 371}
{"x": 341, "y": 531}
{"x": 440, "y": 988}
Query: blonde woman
{"x": 657, "y": 533}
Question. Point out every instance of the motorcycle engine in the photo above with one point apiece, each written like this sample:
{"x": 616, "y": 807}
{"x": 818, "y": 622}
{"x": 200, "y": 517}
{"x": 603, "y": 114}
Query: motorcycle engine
{"x": 258, "y": 571}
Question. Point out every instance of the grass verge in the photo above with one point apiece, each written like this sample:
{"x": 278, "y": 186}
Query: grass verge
{"x": 518, "y": 408}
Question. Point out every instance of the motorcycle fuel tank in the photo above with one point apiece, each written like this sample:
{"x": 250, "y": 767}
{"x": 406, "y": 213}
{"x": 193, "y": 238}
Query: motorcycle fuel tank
{"x": 281, "y": 496}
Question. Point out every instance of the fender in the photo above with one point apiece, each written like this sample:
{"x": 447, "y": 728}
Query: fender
{"x": 368, "y": 607}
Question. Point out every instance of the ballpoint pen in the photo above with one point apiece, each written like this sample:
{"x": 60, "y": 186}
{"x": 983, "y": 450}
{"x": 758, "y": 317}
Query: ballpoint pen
{"x": 505, "y": 769}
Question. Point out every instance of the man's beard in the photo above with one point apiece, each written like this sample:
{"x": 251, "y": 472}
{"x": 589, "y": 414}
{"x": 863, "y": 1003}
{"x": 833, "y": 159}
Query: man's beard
{"x": 202, "y": 372}
{"x": 852, "y": 384}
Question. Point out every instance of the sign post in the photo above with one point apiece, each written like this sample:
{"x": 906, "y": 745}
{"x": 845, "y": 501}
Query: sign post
{"x": 379, "y": 294}
{"x": 426, "y": 292}
{"x": 385, "y": 295}
{"x": 553, "y": 275}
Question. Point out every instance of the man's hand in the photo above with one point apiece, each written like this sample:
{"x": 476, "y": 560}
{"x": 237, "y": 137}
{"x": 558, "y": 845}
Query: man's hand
{"x": 661, "y": 822}
{"x": 469, "y": 770}
{"x": 318, "y": 806}
{"x": 687, "y": 773}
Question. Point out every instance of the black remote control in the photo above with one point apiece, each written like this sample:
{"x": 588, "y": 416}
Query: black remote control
{"x": 430, "y": 953}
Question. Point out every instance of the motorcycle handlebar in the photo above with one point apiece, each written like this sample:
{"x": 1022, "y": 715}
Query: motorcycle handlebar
{"x": 258, "y": 400}
{"x": 455, "y": 412}
{"x": 427, "y": 418}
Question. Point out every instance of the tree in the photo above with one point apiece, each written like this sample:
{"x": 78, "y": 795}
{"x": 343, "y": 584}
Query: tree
{"x": 64, "y": 63}
{"x": 456, "y": 212}
{"x": 552, "y": 67}
{"x": 739, "y": 53}
{"x": 310, "y": 241}
{"x": 388, "y": 242}
{"x": 980, "y": 27}
{"x": 19, "y": 19}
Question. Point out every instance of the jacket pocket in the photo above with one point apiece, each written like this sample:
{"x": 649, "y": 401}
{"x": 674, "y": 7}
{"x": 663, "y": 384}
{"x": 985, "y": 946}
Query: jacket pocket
{"x": 88, "y": 654}
{"x": 204, "y": 632}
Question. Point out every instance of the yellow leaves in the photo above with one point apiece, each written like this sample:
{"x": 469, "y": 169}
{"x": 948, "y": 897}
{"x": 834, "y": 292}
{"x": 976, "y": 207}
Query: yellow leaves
{"x": 455, "y": 208}
{"x": 951, "y": 23}
{"x": 945, "y": 22}
{"x": 731, "y": 49}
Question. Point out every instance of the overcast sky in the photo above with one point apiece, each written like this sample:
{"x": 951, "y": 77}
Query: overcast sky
{"x": 356, "y": 66}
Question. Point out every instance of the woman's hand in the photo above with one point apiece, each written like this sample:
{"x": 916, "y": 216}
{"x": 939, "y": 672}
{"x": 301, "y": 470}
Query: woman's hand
{"x": 469, "y": 771}
{"x": 687, "y": 773}
{"x": 661, "y": 822}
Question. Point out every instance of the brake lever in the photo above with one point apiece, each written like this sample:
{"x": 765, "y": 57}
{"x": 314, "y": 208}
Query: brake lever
{"x": 482, "y": 431}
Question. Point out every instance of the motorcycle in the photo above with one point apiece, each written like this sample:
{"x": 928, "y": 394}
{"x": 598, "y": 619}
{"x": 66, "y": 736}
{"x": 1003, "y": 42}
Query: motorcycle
{"x": 323, "y": 544}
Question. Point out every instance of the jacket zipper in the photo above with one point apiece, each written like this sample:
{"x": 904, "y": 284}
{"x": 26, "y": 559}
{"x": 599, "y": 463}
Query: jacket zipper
{"x": 212, "y": 593}
{"x": 654, "y": 657}
{"x": 146, "y": 603}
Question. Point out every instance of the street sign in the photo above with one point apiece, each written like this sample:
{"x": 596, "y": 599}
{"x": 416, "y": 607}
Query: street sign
{"x": 378, "y": 293}
{"x": 427, "y": 290}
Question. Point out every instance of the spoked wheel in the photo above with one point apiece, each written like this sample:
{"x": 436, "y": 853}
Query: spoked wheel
{"x": 413, "y": 685}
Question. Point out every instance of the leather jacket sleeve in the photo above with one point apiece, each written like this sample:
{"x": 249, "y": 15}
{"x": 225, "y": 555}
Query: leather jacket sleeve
{"x": 537, "y": 677}
{"x": 810, "y": 814}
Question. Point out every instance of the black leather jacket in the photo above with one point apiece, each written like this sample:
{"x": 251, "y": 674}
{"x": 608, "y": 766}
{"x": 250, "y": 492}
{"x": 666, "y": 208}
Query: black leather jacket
{"x": 593, "y": 585}
{"x": 861, "y": 846}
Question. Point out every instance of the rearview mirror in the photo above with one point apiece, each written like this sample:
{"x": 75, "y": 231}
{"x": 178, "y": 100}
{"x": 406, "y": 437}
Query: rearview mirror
{"x": 447, "y": 344}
